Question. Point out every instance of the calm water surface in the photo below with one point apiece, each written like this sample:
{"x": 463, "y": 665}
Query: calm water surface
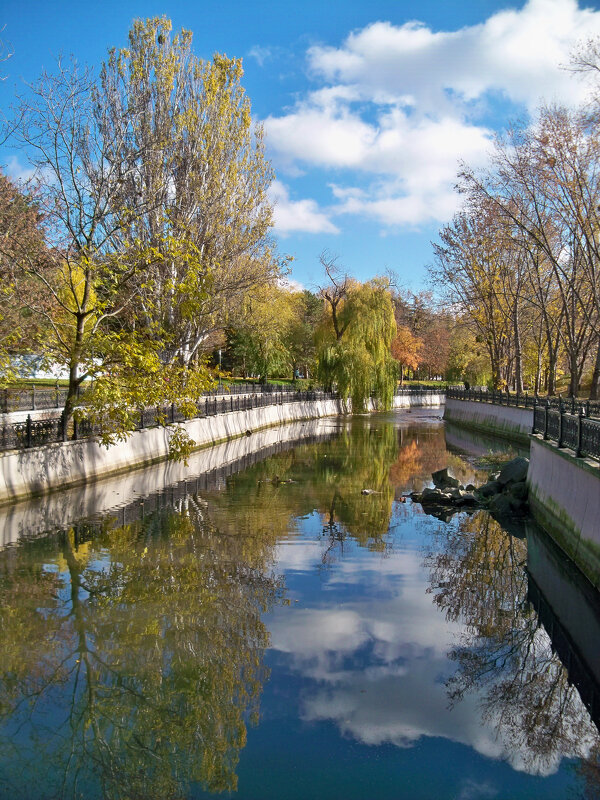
{"x": 276, "y": 635}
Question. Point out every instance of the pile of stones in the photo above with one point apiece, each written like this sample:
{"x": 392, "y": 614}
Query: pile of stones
{"x": 505, "y": 492}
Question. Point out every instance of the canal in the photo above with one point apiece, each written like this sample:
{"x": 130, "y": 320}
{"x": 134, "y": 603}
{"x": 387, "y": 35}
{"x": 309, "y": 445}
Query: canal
{"x": 267, "y": 631}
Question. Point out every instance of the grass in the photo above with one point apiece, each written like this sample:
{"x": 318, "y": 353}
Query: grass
{"x": 491, "y": 460}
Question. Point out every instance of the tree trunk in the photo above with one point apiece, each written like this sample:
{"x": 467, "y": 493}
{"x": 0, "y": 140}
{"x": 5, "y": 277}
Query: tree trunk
{"x": 595, "y": 387}
{"x": 574, "y": 381}
{"x": 518, "y": 353}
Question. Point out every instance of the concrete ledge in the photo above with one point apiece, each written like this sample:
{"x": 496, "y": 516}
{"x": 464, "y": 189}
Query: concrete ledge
{"x": 36, "y": 471}
{"x": 58, "y": 509}
{"x": 564, "y": 496}
{"x": 508, "y": 422}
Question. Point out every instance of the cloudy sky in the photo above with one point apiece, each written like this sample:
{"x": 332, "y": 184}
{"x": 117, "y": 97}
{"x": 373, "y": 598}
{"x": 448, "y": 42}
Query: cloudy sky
{"x": 368, "y": 107}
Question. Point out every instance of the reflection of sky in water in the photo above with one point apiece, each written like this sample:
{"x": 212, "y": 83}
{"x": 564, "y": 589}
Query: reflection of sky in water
{"x": 357, "y": 702}
{"x": 361, "y": 654}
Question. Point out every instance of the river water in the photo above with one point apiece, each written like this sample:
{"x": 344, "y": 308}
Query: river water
{"x": 268, "y": 632}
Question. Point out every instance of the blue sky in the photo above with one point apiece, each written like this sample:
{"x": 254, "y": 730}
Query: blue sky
{"x": 368, "y": 106}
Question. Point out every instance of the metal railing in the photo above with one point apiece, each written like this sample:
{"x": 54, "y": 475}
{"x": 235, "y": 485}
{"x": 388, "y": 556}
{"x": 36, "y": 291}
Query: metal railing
{"x": 42, "y": 398}
{"x": 570, "y": 423}
{"x": 590, "y": 408}
{"x": 576, "y": 431}
{"x": 34, "y": 433}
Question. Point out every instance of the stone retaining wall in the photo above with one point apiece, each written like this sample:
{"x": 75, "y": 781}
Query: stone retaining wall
{"x": 505, "y": 421}
{"x": 35, "y": 471}
{"x": 564, "y": 496}
{"x": 564, "y": 491}
{"x": 57, "y": 510}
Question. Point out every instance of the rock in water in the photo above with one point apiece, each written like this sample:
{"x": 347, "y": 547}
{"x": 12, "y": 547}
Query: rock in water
{"x": 442, "y": 480}
{"x": 514, "y": 471}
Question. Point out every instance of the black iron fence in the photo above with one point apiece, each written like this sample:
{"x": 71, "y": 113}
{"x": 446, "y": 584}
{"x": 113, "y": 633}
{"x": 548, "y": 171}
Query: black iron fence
{"x": 576, "y": 431}
{"x": 590, "y": 408}
{"x": 571, "y": 423}
{"x": 43, "y": 398}
{"x": 34, "y": 432}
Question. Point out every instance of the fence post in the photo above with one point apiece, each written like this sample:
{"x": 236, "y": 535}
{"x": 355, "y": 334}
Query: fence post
{"x": 579, "y": 437}
{"x": 33, "y": 397}
{"x": 57, "y": 404}
{"x": 28, "y": 431}
{"x": 75, "y": 428}
{"x": 560, "y": 421}
{"x": 63, "y": 424}
{"x": 141, "y": 419}
{"x": 546, "y": 419}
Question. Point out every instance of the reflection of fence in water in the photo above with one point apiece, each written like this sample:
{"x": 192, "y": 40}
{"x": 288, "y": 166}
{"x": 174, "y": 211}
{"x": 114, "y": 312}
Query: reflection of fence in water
{"x": 212, "y": 480}
{"x": 579, "y": 673}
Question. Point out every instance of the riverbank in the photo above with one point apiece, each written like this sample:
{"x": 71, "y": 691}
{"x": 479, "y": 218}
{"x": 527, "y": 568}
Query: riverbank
{"x": 564, "y": 489}
{"x": 36, "y": 471}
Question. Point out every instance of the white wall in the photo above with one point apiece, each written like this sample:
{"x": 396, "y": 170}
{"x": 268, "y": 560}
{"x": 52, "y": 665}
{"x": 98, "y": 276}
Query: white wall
{"x": 564, "y": 495}
{"x": 506, "y": 421}
{"x": 58, "y": 509}
{"x": 31, "y": 472}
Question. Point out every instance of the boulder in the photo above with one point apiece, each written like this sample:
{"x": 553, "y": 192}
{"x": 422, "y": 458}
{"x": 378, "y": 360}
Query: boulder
{"x": 489, "y": 489}
{"x": 434, "y": 496}
{"x": 514, "y": 471}
{"x": 442, "y": 480}
{"x": 500, "y": 504}
{"x": 468, "y": 499}
{"x": 519, "y": 490}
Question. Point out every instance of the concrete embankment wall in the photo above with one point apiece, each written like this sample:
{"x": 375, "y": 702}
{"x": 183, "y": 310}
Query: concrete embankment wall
{"x": 564, "y": 491}
{"x": 58, "y": 510}
{"x": 35, "y": 471}
{"x": 505, "y": 421}
{"x": 564, "y": 496}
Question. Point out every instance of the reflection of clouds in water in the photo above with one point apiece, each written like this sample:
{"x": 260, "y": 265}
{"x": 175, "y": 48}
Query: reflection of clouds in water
{"x": 474, "y": 790}
{"x": 298, "y": 555}
{"x": 382, "y": 666}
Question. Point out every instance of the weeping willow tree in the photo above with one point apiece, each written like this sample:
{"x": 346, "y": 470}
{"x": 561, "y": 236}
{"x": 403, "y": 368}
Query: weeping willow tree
{"x": 354, "y": 344}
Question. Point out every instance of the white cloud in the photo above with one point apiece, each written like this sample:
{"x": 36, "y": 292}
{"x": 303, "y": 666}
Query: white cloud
{"x": 517, "y": 52}
{"x": 261, "y": 54}
{"x": 17, "y": 172}
{"x": 297, "y": 215}
{"x": 400, "y": 106}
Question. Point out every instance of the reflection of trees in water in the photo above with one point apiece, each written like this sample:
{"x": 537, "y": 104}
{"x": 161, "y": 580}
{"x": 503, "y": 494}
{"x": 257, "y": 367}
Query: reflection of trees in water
{"x": 478, "y": 578}
{"x": 422, "y": 450}
{"x": 133, "y": 660}
{"x": 327, "y": 478}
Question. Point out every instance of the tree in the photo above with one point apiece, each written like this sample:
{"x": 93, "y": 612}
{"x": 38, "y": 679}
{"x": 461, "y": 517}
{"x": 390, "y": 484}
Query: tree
{"x": 354, "y": 341}
{"x": 301, "y": 334}
{"x": 85, "y": 290}
{"x": 260, "y": 341}
{"x": 21, "y": 236}
{"x": 546, "y": 181}
{"x": 406, "y": 349}
{"x": 470, "y": 263}
{"x": 152, "y": 186}
{"x": 203, "y": 159}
